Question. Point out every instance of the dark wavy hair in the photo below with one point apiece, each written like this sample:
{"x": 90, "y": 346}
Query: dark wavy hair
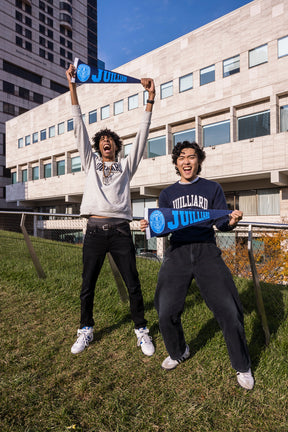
{"x": 110, "y": 134}
{"x": 186, "y": 144}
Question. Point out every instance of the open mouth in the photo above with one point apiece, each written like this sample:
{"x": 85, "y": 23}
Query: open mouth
{"x": 107, "y": 147}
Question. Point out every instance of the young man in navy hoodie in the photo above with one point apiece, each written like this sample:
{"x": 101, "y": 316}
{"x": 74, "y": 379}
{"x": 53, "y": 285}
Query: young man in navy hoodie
{"x": 193, "y": 254}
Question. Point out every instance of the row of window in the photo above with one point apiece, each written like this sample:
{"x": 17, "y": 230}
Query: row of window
{"x": 47, "y": 170}
{"x": 22, "y": 92}
{"x": 248, "y": 126}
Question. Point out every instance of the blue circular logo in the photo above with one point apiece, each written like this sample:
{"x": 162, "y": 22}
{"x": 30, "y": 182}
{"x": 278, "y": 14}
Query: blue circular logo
{"x": 83, "y": 72}
{"x": 157, "y": 221}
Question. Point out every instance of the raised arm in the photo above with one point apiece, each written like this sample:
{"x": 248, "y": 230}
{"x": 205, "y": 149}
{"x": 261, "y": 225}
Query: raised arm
{"x": 70, "y": 73}
{"x": 149, "y": 85}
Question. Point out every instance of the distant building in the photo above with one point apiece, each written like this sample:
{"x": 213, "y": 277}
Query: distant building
{"x": 224, "y": 85}
{"x": 38, "y": 40}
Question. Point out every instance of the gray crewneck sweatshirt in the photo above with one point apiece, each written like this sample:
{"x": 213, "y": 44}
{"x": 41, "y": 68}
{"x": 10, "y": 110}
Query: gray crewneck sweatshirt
{"x": 108, "y": 195}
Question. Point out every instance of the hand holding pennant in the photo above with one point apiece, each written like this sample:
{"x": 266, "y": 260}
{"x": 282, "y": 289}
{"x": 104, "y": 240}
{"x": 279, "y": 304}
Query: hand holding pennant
{"x": 94, "y": 75}
{"x": 165, "y": 220}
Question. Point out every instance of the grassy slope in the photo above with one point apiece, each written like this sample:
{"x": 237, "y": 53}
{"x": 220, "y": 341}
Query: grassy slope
{"x": 112, "y": 386}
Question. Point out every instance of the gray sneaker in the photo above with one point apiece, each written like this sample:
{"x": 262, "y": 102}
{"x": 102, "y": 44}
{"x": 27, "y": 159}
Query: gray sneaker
{"x": 84, "y": 337}
{"x": 169, "y": 364}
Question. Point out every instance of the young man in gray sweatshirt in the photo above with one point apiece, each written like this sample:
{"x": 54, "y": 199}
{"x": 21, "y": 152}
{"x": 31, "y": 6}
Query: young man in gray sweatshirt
{"x": 106, "y": 203}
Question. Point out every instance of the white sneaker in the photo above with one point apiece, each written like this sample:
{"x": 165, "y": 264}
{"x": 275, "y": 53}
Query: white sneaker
{"x": 169, "y": 364}
{"x": 245, "y": 379}
{"x": 145, "y": 341}
{"x": 84, "y": 337}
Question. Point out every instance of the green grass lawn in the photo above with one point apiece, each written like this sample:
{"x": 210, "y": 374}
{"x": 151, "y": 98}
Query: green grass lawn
{"x": 112, "y": 386}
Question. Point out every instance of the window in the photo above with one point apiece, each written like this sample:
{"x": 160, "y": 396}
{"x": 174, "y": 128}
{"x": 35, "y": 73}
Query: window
{"x": 8, "y": 108}
{"x": 258, "y": 55}
{"x": 42, "y": 134}
{"x": 254, "y": 125}
{"x": 166, "y": 90}
{"x": 216, "y": 133}
{"x": 105, "y": 112}
{"x": 283, "y": 46}
{"x": 207, "y": 75}
{"x": 61, "y": 128}
{"x": 156, "y": 146}
{"x": 260, "y": 202}
{"x": 186, "y": 82}
{"x": 118, "y": 107}
{"x": 27, "y": 140}
{"x": 24, "y": 175}
{"x": 127, "y": 149}
{"x": 133, "y": 102}
{"x": 145, "y": 97}
{"x": 187, "y": 135}
{"x": 138, "y": 206}
{"x": 47, "y": 170}
{"x": 35, "y": 137}
{"x": 20, "y": 143}
{"x": 284, "y": 118}
{"x": 70, "y": 125}
{"x": 13, "y": 177}
{"x": 51, "y": 131}
{"x": 231, "y": 66}
{"x": 8, "y": 87}
{"x": 38, "y": 98}
{"x": 61, "y": 167}
{"x": 35, "y": 173}
{"x": 92, "y": 116}
{"x": 75, "y": 164}
{"x": 24, "y": 93}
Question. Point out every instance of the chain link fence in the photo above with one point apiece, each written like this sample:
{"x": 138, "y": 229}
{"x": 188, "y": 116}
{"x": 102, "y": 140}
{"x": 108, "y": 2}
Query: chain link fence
{"x": 66, "y": 232}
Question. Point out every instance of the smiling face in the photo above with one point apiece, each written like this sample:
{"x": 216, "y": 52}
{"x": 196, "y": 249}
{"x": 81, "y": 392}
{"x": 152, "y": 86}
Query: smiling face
{"x": 107, "y": 148}
{"x": 187, "y": 164}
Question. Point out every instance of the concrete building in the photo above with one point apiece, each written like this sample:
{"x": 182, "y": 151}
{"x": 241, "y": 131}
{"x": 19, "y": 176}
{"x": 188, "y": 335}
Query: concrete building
{"x": 37, "y": 42}
{"x": 224, "y": 85}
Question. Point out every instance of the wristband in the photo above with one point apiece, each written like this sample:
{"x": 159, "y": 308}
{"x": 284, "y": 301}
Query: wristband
{"x": 150, "y": 101}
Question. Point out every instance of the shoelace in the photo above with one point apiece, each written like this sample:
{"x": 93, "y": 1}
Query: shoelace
{"x": 83, "y": 336}
{"x": 144, "y": 337}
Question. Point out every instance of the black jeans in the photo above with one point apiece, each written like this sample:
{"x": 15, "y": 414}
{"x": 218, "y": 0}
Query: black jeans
{"x": 203, "y": 262}
{"x": 119, "y": 243}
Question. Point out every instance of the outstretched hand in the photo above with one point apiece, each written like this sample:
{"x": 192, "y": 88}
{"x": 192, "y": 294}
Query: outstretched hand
{"x": 70, "y": 73}
{"x": 148, "y": 84}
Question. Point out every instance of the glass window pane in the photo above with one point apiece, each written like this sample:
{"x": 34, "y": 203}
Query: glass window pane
{"x": 14, "y": 177}
{"x": 187, "y": 135}
{"x": 75, "y": 164}
{"x": 35, "y": 137}
{"x": 35, "y": 173}
{"x": 24, "y": 175}
{"x": 268, "y": 202}
{"x": 156, "y": 147}
{"x": 283, "y": 46}
{"x": 145, "y": 97}
{"x": 27, "y": 140}
{"x": 118, "y": 107}
{"x": 47, "y": 170}
{"x": 105, "y": 112}
{"x": 70, "y": 125}
{"x": 61, "y": 167}
{"x": 127, "y": 149}
{"x": 216, "y": 133}
{"x": 93, "y": 116}
{"x": 207, "y": 75}
{"x": 186, "y": 82}
{"x": 258, "y": 55}
{"x": 133, "y": 102}
{"x": 61, "y": 128}
{"x": 51, "y": 131}
{"x": 43, "y": 134}
{"x": 254, "y": 125}
{"x": 231, "y": 66}
{"x": 20, "y": 142}
{"x": 248, "y": 203}
{"x": 284, "y": 118}
{"x": 166, "y": 89}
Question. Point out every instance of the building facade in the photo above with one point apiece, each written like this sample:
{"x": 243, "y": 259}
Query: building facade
{"x": 224, "y": 85}
{"x": 37, "y": 42}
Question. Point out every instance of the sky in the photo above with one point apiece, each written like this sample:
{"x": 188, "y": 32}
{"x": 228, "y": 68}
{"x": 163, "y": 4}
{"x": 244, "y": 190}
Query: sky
{"x": 128, "y": 29}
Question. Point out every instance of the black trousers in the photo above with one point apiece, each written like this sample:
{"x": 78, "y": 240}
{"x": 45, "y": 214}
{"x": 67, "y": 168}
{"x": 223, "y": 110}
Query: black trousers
{"x": 203, "y": 262}
{"x": 119, "y": 243}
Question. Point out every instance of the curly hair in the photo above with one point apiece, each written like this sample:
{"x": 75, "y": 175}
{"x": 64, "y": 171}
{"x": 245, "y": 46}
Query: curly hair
{"x": 110, "y": 134}
{"x": 186, "y": 144}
